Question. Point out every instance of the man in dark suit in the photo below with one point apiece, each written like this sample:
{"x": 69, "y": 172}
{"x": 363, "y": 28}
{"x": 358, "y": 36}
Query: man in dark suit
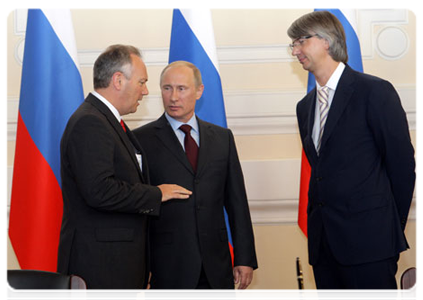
{"x": 355, "y": 134}
{"x": 107, "y": 199}
{"x": 189, "y": 240}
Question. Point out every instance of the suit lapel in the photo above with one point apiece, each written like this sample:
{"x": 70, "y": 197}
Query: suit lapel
{"x": 342, "y": 97}
{"x": 130, "y": 146}
{"x": 206, "y": 139}
{"x": 308, "y": 140}
{"x": 166, "y": 135}
{"x": 138, "y": 150}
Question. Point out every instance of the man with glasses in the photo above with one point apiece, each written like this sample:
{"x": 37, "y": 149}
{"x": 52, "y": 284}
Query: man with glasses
{"x": 355, "y": 135}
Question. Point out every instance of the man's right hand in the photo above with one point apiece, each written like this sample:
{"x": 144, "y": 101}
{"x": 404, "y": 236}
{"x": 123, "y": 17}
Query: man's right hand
{"x": 173, "y": 191}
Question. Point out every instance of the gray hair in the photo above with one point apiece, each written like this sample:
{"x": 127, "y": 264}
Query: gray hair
{"x": 326, "y": 26}
{"x": 197, "y": 74}
{"x": 116, "y": 58}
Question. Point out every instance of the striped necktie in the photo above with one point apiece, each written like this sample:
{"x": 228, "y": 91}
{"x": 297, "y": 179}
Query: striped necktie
{"x": 322, "y": 96}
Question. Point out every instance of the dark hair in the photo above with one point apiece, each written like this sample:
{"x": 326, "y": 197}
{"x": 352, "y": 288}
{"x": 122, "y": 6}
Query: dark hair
{"x": 326, "y": 26}
{"x": 116, "y": 58}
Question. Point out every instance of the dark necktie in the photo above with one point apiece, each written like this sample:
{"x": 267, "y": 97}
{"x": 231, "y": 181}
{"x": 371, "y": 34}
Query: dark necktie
{"x": 191, "y": 147}
{"x": 123, "y": 125}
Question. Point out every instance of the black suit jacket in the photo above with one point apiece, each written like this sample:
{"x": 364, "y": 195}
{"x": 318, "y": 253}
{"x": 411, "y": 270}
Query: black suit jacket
{"x": 191, "y": 233}
{"x": 362, "y": 181}
{"x": 106, "y": 201}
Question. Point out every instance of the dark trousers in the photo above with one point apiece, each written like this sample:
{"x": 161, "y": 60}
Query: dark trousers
{"x": 329, "y": 274}
{"x": 203, "y": 291}
{"x": 112, "y": 297}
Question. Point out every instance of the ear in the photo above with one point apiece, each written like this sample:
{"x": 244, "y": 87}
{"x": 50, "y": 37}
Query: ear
{"x": 199, "y": 91}
{"x": 117, "y": 80}
{"x": 326, "y": 44}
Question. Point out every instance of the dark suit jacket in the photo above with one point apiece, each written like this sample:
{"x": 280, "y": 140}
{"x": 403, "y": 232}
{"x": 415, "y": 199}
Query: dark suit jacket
{"x": 362, "y": 182}
{"x": 191, "y": 233}
{"x": 106, "y": 201}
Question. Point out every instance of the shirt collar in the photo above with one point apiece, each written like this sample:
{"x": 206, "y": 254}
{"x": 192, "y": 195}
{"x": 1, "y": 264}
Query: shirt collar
{"x": 335, "y": 77}
{"x": 176, "y": 124}
{"x": 108, "y": 104}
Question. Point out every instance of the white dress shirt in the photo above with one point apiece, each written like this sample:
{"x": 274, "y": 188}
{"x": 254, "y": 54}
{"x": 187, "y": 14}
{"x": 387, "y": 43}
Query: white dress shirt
{"x": 331, "y": 84}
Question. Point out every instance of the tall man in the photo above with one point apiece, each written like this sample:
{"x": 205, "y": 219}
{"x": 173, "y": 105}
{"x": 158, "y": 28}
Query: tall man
{"x": 355, "y": 134}
{"x": 189, "y": 240}
{"x": 107, "y": 199}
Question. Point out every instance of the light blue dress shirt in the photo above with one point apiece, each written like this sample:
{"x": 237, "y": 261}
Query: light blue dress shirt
{"x": 195, "y": 132}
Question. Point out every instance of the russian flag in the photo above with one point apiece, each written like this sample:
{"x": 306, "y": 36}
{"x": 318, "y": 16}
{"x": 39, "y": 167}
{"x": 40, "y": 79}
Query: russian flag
{"x": 347, "y": 17}
{"x": 51, "y": 90}
{"x": 192, "y": 39}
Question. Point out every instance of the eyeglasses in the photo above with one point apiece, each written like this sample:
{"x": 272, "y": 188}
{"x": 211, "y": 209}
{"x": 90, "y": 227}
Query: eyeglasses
{"x": 298, "y": 43}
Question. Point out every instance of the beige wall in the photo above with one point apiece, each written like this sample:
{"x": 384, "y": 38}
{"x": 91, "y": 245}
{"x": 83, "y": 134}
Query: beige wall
{"x": 262, "y": 84}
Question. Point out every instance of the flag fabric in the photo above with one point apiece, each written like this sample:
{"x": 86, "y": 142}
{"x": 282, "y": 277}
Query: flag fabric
{"x": 347, "y": 17}
{"x": 192, "y": 39}
{"x": 51, "y": 90}
{"x": 304, "y": 182}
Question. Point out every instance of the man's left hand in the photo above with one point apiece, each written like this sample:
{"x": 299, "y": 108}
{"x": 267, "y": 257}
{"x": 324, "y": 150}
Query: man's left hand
{"x": 243, "y": 275}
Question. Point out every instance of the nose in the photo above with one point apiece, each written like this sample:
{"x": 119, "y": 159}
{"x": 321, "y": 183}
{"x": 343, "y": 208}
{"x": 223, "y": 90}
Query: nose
{"x": 174, "y": 96}
{"x": 295, "y": 50}
{"x": 145, "y": 90}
